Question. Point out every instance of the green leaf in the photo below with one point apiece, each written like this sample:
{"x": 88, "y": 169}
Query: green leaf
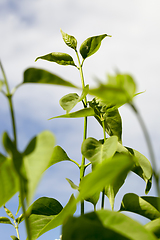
{"x": 8, "y": 180}
{"x": 110, "y": 115}
{"x": 74, "y": 186}
{"x": 78, "y": 114}
{"x": 45, "y": 206}
{"x": 96, "y": 151}
{"x": 35, "y": 75}
{"x": 14, "y": 237}
{"x": 9, "y": 213}
{"x": 69, "y": 40}
{"x": 104, "y": 224}
{"x": 1, "y": 84}
{"x": 58, "y": 155}
{"x": 104, "y": 174}
{"x": 37, "y": 157}
{"x": 154, "y": 227}
{"x": 58, "y": 57}
{"x": 93, "y": 199}
{"x": 91, "y": 45}
{"x": 133, "y": 203}
{"x": 5, "y": 220}
{"x": 70, "y": 100}
{"x": 119, "y": 89}
{"x": 40, "y": 224}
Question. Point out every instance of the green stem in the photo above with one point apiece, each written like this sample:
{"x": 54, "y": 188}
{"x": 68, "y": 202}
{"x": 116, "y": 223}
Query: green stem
{"x": 17, "y": 230}
{"x": 82, "y": 167}
{"x": 103, "y": 192}
{"x": 149, "y": 144}
{"x": 9, "y": 96}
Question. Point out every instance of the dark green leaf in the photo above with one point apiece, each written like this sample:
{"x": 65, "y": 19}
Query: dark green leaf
{"x": 96, "y": 152}
{"x": 37, "y": 157}
{"x": 35, "y": 75}
{"x": 69, "y": 40}
{"x": 58, "y": 57}
{"x": 74, "y": 186}
{"x": 78, "y": 114}
{"x": 104, "y": 174}
{"x": 110, "y": 115}
{"x": 91, "y": 45}
{"x": 133, "y": 203}
{"x": 8, "y": 180}
{"x": 5, "y": 220}
{"x": 93, "y": 199}
{"x": 104, "y": 225}
{"x": 154, "y": 227}
{"x": 58, "y": 155}
{"x": 40, "y": 223}
{"x": 14, "y": 237}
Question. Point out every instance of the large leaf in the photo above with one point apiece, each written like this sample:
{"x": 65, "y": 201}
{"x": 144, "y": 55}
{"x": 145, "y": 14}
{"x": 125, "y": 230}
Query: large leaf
{"x": 86, "y": 112}
{"x": 110, "y": 115}
{"x": 8, "y": 180}
{"x": 40, "y": 224}
{"x": 37, "y": 157}
{"x": 35, "y": 75}
{"x": 104, "y": 174}
{"x": 104, "y": 224}
{"x": 119, "y": 89}
{"x": 96, "y": 151}
{"x": 142, "y": 165}
{"x": 58, "y": 57}
{"x": 154, "y": 227}
{"x": 91, "y": 45}
{"x": 68, "y": 101}
{"x": 144, "y": 206}
{"x": 69, "y": 40}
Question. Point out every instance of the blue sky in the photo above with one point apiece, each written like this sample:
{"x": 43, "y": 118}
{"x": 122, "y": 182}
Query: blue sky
{"x": 32, "y": 28}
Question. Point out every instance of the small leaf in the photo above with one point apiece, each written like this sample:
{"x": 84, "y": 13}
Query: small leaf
{"x": 97, "y": 152}
{"x": 91, "y": 45}
{"x": 78, "y": 114}
{"x": 69, "y": 101}
{"x": 9, "y": 213}
{"x": 35, "y": 75}
{"x": 154, "y": 227}
{"x": 57, "y": 57}
{"x": 5, "y": 220}
{"x": 1, "y": 84}
{"x": 133, "y": 203}
{"x": 14, "y": 237}
{"x": 93, "y": 199}
{"x": 69, "y": 40}
{"x": 58, "y": 155}
{"x": 104, "y": 224}
{"x": 74, "y": 186}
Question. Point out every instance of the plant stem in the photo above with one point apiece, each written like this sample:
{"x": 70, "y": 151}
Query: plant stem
{"x": 82, "y": 168}
{"x": 150, "y": 148}
{"x": 9, "y": 96}
{"x": 103, "y": 192}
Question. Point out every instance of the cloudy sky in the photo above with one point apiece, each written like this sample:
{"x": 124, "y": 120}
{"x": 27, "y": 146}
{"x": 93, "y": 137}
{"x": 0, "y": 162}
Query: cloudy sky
{"x": 31, "y": 28}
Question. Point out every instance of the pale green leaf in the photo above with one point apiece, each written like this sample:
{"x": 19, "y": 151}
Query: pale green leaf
{"x": 69, "y": 40}
{"x": 58, "y": 155}
{"x": 74, "y": 186}
{"x": 154, "y": 227}
{"x": 1, "y": 84}
{"x": 9, "y": 213}
{"x": 58, "y": 57}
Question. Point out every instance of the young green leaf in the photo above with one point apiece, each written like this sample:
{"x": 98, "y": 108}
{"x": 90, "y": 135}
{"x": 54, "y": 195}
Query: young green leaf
{"x": 154, "y": 227}
{"x": 58, "y": 57}
{"x": 35, "y": 75}
{"x": 9, "y": 213}
{"x": 78, "y": 114}
{"x": 14, "y": 238}
{"x": 104, "y": 224}
{"x": 5, "y": 220}
{"x": 69, "y": 40}
{"x": 133, "y": 203}
{"x": 74, "y": 186}
{"x": 91, "y": 45}
{"x": 1, "y": 84}
{"x": 58, "y": 155}
{"x": 97, "y": 152}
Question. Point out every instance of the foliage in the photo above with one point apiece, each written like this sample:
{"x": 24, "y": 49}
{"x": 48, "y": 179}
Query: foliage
{"x": 110, "y": 161}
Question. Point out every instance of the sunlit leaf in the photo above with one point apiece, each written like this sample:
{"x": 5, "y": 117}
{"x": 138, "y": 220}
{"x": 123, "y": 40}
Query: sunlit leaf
{"x": 74, "y": 186}
{"x": 37, "y": 157}
{"x": 9, "y": 213}
{"x": 78, "y": 114}
{"x": 104, "y": 174}
{"x": 5, "y": 220}
{"x": 58, "y": 57}
{"x": 69, "y": 40}
{"x": 40, "y": 223}
{"x": 91, "y": 45}
{"x": 133, "y": 203}
{"x": 35, "y": 75}
{"x": 96, "y": 151}
{"x": 154, "y": 227}
{"x": 58, "y": 155}
{"x": 104, "y": 224}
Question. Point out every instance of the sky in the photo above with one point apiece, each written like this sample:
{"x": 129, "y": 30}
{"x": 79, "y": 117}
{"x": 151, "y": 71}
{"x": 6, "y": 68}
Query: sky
{"x": 31, "y": 28}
